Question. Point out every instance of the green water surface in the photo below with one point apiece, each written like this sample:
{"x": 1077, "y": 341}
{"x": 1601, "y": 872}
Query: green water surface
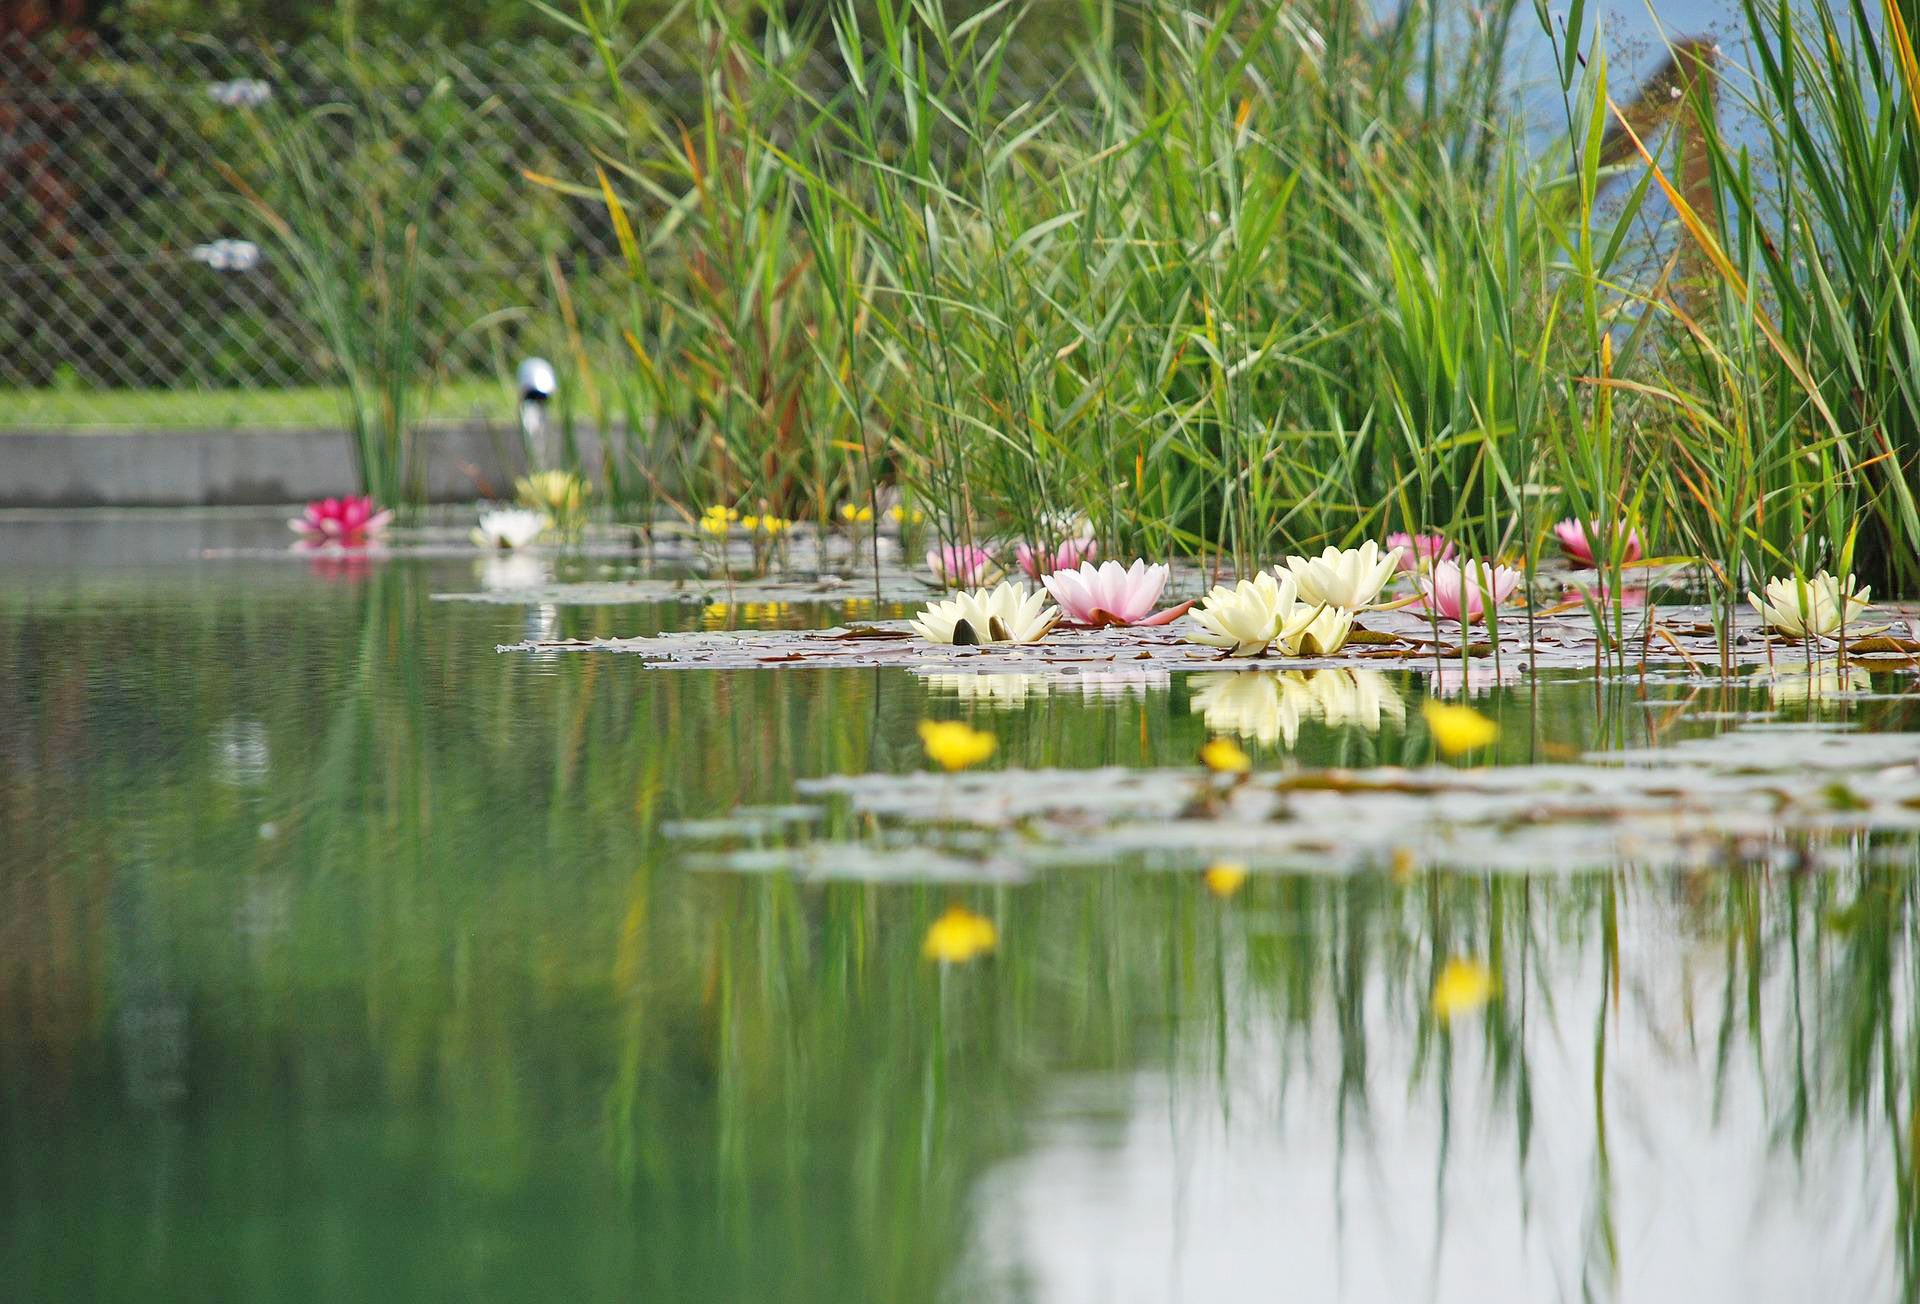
{"x": 344, "y": 957}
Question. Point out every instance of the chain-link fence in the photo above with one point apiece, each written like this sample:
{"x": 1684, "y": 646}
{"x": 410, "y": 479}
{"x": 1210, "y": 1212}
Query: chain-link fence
{"x": 137, "y": 286}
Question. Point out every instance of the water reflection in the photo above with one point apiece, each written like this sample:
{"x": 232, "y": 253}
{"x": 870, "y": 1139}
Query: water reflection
{"x": 431, "y": 1004}
{"x": 1448, "y": 679}
{"x": 1012, "y": 691}
{"x": 1823, "y": 688}
{"x": 1269, "y": 706}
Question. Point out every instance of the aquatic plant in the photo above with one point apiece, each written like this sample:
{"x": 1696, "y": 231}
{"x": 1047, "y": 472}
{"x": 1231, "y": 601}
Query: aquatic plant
{"x": 1224, "y": 878}
{"x": 959, "y": 936}
{"x": 962, "y": 566}
{"x": 1821, "y": 605}
{"x": 1419, "y": 551}
{"x": 1463, "y": 987}
{"x": 1038, "y": 562}
{"x": 1573, "y": 536}
{"x": 561, "y": 495}
{"x": 1111, "y": 595}
{"x": 1457, "y": 729}
{"x": 1246, "y": 618}
{"x": 1466, "y": 591}
{"x": 1224, "y": 756}
{"x": 1006, "y": 613}
{"x": 1345, "y": 577}
{"x": 954, "y": 745}
{"x": 1322, "y": 636}
{"x": 353, "y": 520}
{"x": 508, "y": 528}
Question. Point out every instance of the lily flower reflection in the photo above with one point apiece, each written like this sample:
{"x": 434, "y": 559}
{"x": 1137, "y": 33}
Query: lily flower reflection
{"x": 1824, "y": 687}
{"x": 1477, "y": 680}
{"x": 507, "y": 572}
{"x": 1269, "y": 707}
{"x": 997, "y": 692}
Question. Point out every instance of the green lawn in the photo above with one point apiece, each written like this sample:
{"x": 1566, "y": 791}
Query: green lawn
{"x": 109, "y": 410}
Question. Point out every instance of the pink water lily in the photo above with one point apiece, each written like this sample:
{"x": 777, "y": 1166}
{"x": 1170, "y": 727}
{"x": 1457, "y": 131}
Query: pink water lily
{"x": 962, "y": 566}
{"x": 1419, "y": 551}
{"x": 1111, "y": 595}
{"x": 1459, "y": 592}
{"x": 1573, "y": 540}
{"x": 350, "y": 520}
{"x": 1071, "y": 553}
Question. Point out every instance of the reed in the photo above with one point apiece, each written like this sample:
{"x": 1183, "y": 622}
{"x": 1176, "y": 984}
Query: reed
{"x": 1238, "y": 280}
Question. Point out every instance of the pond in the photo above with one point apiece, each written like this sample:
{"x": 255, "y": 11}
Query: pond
{"x": 344, "y": 956}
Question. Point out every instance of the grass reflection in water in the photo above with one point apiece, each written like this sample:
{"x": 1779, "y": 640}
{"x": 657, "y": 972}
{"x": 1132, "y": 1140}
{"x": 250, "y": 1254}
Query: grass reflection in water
{"x": 342, "y": 956}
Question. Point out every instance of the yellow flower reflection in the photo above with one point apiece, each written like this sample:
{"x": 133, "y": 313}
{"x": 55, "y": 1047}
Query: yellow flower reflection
{"x": 953, "y": 745}
{"x": 1269, "y": 706}
{"x": 959, "y": 936}
{"x": 1458, "y": 729}
{"x": 1223, "y": 756}
{"x": 1225, "y": 877}
{"x": 1462, "y": 988}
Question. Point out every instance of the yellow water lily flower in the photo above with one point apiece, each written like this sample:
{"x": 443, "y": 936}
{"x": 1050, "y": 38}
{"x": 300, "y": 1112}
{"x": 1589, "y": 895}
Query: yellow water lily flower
{"x": 905, "y": 515}
{"x": 1458, "y": 729}
{"x": 1224, "y": 756}
{"x": 716, "y": 525}
{"x": 1817, "y": 606}
{"x": 1345, "y": 577}
{"x": 559, "y": 493}
{"x": 1244, "y": 619}
{"x": 954, "y": 745}
{"x": 958, "y": 936}
{"x": 852, "y": 513}
{"x": 1006, "y": 613}
{"x": 1224, "y": 877}
{"x": 1463, "y": 987}
{"x": 1322, "y": 636}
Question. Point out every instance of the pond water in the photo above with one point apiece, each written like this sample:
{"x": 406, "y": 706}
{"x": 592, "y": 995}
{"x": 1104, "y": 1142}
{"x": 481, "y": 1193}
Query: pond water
{"x": 342, "y": 956}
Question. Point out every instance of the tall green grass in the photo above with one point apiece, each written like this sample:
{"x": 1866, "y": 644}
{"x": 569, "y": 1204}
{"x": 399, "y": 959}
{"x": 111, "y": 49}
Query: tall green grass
{"x": 1242, "y": 279}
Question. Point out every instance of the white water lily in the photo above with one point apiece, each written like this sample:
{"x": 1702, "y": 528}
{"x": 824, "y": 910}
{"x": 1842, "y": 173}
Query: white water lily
{"x": 511, "y": 527}
{"x": 1322, "y": 636}
{"x": 1349, "y": 577}
{"x": 1817, "y": 606}
{"x": 1005, "y": 614}
{"x": 1244, "y": 619}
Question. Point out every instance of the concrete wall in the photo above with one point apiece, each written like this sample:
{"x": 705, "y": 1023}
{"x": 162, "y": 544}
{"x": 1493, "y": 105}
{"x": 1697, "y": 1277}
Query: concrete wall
{"x": 203, "y": 468}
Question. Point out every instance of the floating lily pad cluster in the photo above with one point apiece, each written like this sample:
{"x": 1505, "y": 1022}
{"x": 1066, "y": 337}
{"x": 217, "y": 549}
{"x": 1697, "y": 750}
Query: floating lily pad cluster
{"x": 1791, "y": 796}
